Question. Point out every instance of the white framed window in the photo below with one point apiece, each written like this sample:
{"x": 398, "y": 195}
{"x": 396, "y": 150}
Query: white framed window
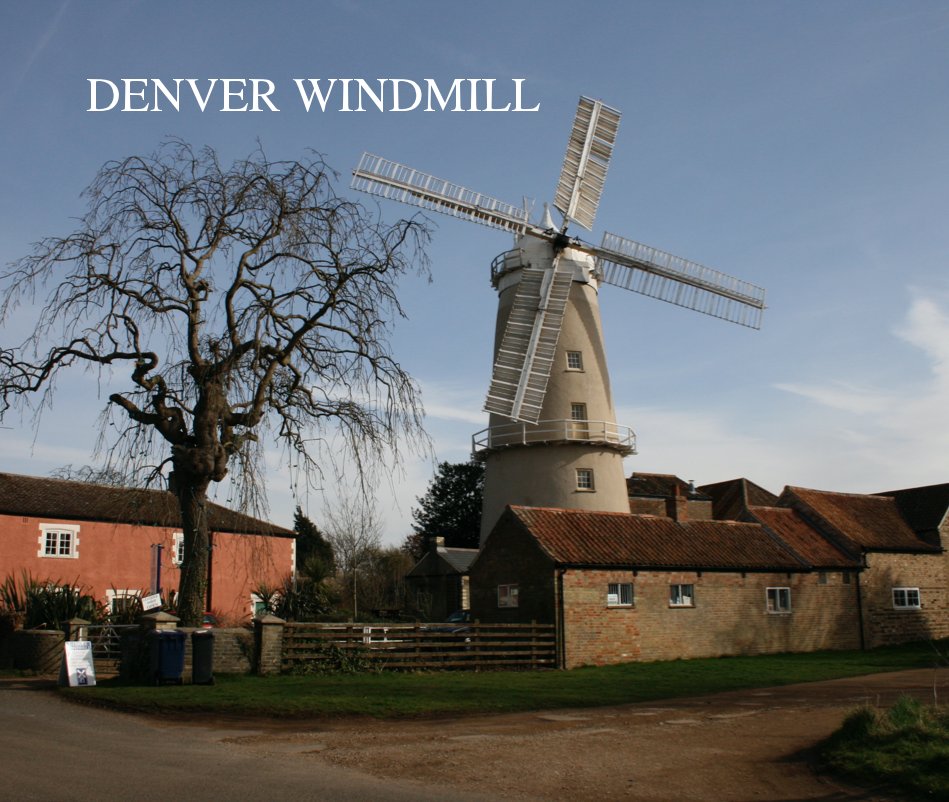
{"x": 178, "y": 548}
{"x": 507, "y": 596}
{"x": 585, "y": 479}
{"x": 574, "y": 360}
{"x": 906, "y": 598}
{"x": 120, "y": 600}
{"x": 578, "y": 412}
{"x": 619, "y": 594}
{"x": 59, "y": 540}
{"x": 681, "y": 595}
{"x": 258, "y": 606}
{"x": 778, "y": 600}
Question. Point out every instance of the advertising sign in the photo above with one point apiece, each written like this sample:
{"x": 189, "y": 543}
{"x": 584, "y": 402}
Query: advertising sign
{"x": 80, "y": 669}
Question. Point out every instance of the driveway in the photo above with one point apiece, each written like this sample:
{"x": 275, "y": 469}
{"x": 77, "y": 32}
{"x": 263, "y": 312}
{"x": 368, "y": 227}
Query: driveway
{"x": 741, "y": 746}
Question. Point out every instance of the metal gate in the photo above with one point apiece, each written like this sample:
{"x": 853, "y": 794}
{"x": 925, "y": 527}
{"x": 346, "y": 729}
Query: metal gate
{"x": 106, "y": 642}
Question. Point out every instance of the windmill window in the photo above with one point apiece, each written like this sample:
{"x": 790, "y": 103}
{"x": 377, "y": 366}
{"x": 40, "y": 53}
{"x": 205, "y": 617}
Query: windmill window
{"x": 578, "y": 411}
{"x": 619, "y": 594}
{"x": 58, "y": 540}
{"x": 681, "y": 595}
{"x": 585, "y": 479}
{"x": 906, "y": 598}
{"x": 779, "y": 600}
{"x": 574, "y": 360}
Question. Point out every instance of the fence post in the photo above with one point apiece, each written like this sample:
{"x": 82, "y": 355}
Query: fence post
{"x": 533, "y": 643}
{"x": 74, "y": 629}
{"x": 268, "y": 644}
{"x": 160, "y": 620}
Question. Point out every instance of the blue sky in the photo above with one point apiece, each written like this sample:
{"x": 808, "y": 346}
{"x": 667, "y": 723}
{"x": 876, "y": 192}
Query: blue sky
{"x": 801, "y": 146}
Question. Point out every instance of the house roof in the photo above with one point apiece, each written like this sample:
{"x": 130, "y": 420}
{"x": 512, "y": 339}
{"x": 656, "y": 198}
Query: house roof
{"x": 813, "y": 549}
{"x": 43, "y": 497}
{"x": 924, "y": 508}
{"x": 732, "y": 498}
{"x": 661, "y": 485}
{"x": 582, "y": 538}
{"x": 859, "y": 522}
{"x": 459, "y": 559}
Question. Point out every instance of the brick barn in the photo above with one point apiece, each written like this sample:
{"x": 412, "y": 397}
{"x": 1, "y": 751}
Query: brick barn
{"x": 814, "y": 570}
{"x": 103, "y": 538}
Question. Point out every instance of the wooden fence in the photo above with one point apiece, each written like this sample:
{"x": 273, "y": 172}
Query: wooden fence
{"x": 420, "y": 646}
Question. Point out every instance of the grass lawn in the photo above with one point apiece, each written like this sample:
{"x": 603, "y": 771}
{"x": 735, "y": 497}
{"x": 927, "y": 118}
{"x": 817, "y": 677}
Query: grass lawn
{"x": 393, "y": 695}
{"x": 905, "y": 747}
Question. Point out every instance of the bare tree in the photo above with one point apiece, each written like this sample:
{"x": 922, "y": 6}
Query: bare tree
{"x": 354, "y": 531}
{"x": 92, "y": 474}
{"x": 239, "y": 302}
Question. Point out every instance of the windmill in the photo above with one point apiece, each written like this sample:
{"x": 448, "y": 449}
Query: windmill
{"x": 552, "y": 439}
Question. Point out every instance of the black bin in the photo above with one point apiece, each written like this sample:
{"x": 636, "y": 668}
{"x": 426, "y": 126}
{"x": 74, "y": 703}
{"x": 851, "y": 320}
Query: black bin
{"x": 166, "y": 656}
{"x": 202, "y": 657}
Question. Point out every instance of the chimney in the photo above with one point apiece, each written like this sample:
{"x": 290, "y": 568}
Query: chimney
{"x": 677, "y": 506}
{"x": 436, "y": 543}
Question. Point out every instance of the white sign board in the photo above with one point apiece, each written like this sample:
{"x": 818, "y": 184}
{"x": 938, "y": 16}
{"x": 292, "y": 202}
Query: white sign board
{"x": 80, "y": 669}
{"x": 151, "y": 602}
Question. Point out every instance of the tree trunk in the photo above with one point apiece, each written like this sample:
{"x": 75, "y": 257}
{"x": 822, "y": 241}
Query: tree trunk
{"x": 192, "y": 499}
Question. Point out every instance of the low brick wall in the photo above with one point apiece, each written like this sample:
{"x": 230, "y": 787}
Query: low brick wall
{"x": 39, "y": 650}
{"x": 233, "y": 651}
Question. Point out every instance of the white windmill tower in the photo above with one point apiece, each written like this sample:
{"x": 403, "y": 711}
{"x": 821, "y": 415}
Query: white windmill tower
{"x": 552, "y": 438}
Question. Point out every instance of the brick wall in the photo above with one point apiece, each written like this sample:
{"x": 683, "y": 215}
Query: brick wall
{"x": 883, "y": 623}
{"x": 118, "y": 556}
{"x": 510, "y": 556}
{"x": 729, "y": 616}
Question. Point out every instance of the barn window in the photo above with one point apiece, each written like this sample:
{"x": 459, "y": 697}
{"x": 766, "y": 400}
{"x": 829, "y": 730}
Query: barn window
{"x": 906, "y": 598}
{"x": 507, "y": 596}
{"x": 619, "y": 594}
{"x": 779, "y": 600}
{"x": 681, "y": 595}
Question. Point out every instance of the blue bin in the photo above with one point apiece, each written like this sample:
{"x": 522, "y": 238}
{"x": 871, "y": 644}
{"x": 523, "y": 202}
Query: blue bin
{"x": 166, "y": 651}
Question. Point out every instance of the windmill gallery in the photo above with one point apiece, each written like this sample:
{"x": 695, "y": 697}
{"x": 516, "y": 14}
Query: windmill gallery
{"x": 563, "y": 541}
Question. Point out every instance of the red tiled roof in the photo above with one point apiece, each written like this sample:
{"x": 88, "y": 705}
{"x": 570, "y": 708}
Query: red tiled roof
{"x": 577, "y": 537}
{"x": 730, "y": 499}
{"x": 39, "y": 497}
{"x": 660, "y": 485}
{"x": 786, "y": 524}
{"x": 861, "y": 522}
{"x": 924, "y": 508}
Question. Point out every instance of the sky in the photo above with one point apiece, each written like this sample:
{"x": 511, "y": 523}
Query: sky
{"x": 801, "y": 146}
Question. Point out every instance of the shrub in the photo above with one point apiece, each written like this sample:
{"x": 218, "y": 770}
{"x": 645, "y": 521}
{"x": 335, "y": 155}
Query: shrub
{"x": 906, "y": 746}
{"x": 48, "y": 604}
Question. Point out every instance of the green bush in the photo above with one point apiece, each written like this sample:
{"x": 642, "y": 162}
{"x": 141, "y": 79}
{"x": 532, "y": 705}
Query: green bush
{"x": 48, "y": 604}
{"x": 906, "y": 747}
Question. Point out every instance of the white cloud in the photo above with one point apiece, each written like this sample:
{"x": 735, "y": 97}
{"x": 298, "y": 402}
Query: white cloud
{"x": 899, "y": 437}
{"x": 453, "y": 402}
{"x": 841, "y": 395}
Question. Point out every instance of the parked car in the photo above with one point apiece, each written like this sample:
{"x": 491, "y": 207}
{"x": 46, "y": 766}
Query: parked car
{"x": 457, "y": 622}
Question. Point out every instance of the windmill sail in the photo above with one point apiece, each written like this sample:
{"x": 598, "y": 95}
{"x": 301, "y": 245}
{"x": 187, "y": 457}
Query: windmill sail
{"x": 526, "y": 354}
{"x": 389, "y": 179}
{"x": 586, "y": 162}
{"x": 649, "y": 271}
